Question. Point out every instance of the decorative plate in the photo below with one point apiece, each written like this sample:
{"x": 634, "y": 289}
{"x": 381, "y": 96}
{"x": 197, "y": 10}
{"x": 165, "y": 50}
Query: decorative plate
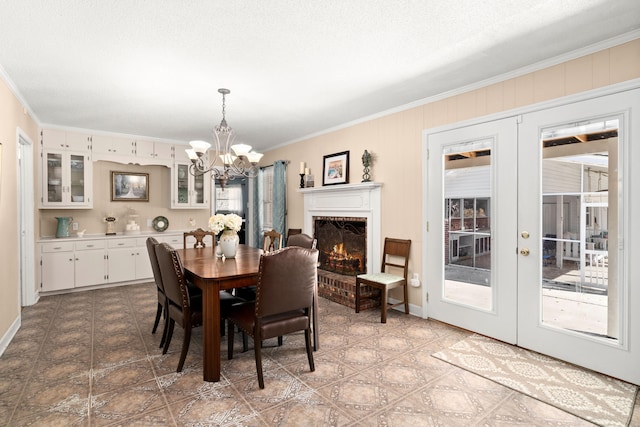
{"x": 160, "y": 223}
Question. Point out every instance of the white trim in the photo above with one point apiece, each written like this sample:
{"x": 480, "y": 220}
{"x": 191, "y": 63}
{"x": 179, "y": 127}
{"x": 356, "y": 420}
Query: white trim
{"x": 27, "y": 264}
{"x": 8, "y": 336}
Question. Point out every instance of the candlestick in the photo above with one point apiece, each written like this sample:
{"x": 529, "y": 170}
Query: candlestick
{"x": 302, "y": 180}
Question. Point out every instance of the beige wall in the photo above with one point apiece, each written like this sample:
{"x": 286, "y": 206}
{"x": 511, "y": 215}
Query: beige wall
{"x": 12, "y": 116}
{"x": 396, "y": 140}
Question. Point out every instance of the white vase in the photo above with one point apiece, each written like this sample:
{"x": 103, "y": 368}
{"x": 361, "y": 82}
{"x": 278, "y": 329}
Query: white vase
{"x": 228, "y": 243}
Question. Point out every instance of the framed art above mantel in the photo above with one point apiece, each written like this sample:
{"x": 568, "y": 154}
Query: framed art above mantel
{"x": 335, "y": 168}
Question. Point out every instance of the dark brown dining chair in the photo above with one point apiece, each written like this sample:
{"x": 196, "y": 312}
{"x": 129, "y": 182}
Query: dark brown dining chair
{"x": 199, "y": 235}
{"x": 287, "y": 279}
{"x": 182, "y": 307}
{"x": 394, "y": 250}
{"x": 302, "y": 240}
{"x": 272, "y": 241}
{"x": 162, "y": 297}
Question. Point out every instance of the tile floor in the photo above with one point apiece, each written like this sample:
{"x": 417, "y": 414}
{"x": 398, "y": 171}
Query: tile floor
{"x": 89, "y": 359}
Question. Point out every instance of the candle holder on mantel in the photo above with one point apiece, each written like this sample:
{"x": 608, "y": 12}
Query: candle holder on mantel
{"x": 301, "y": 180}
{"x": 366, "y": 162}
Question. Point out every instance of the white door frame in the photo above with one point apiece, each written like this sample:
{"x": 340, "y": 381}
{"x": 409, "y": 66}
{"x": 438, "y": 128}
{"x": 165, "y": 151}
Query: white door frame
{"x": 26, "y": 238}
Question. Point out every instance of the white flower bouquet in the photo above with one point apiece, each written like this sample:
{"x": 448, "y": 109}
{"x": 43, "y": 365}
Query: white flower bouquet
{"x": 219, "y": 222}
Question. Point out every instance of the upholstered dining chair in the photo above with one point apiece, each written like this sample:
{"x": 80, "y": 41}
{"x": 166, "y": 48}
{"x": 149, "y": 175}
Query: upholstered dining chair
{"x": 199, "y": 235}
{"x": 302, "y": 240}
{"x": 292, "y": 231}
{"x": 272, "y": 241}
{"x": 182, "y": 307}
{"x": 287, "y": 279}
{"x": 395, "y": 255}
{"x": 162, "y": 297}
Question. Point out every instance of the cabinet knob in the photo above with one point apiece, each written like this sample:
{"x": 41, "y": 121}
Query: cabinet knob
{"x": 524, "y": 252}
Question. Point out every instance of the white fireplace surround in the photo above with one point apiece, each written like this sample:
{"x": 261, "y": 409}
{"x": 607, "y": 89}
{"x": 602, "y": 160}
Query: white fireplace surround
{"x": 348, "y": 200}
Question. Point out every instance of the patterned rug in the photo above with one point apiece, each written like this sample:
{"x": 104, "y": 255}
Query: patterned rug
{"x": 595, "y": 397}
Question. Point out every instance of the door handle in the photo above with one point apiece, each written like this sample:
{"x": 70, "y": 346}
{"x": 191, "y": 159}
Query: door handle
{"x": 524, "y": 252}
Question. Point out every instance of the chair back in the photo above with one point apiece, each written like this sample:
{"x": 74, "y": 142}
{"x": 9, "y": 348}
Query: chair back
{"x": 175, "y": 285}
{"x": 199, "y": 235}
{"x": 287, "y": 280}
{"x": 272, "y": 241}
{"x": 155, "y": 267}
{"x": 302, "y": 240}
{"x": 394, "y": 249}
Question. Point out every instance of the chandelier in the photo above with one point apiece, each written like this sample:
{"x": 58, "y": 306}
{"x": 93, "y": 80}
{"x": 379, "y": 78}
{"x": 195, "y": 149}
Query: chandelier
{"x": 230, "y": 160}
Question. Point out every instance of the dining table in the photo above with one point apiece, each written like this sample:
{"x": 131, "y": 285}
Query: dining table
{"x": 213, "y": 274}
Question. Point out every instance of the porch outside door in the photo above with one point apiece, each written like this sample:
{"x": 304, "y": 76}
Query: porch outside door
{"x": 545, "y": 242}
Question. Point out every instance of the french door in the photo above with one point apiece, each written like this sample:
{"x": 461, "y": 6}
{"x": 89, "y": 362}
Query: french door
{"x": 531, "y": 235}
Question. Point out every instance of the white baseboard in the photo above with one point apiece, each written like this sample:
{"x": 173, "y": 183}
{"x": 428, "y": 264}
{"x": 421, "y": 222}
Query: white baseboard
{"x": 8, "y": 336}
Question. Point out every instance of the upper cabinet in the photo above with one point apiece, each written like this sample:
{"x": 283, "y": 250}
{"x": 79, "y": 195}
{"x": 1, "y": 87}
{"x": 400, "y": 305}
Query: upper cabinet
{"x": 65, "y": 141}
{"x": 66, "y": 180}
{"x": 154, "y": 152}
{"x": 188, "y": 191}
{"x": 112, "y": 148}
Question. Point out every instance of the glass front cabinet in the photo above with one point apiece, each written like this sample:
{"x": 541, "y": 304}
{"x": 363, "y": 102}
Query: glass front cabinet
{"x": 67, "y": 180}
{"x": 188, "y": 191}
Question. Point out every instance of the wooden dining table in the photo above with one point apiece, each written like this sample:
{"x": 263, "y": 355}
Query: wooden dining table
{"x": 212, "y": 274}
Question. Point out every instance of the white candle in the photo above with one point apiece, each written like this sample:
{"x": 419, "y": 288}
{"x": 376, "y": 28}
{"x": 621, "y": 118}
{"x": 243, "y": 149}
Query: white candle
{"x": 301, "y": 167}
{"x": 306, "y": 171}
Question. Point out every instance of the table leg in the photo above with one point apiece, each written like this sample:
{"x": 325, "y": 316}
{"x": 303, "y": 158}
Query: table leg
{"x": 211, "y": 332}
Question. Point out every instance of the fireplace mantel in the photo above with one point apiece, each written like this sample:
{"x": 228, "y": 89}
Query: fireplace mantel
{"x": 348, "y": 200}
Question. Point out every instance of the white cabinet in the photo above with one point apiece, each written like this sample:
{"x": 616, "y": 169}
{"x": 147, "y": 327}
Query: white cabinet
{"x": 66, "y": 180}
{"x": 65, "y": 141}
{"x": 128, "y": 260}
{"x": 90, "y": 263}
{"x": 56, "y": 266}
{"x": 188, "y": 191}
{"x": 112, "y": 148}
{"x": 154, "y": 152}
{"x": 71, "y": 263}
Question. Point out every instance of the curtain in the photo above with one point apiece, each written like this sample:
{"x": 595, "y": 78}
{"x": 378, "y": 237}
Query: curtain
{"x": 256, "y": 213}
{"x": 280, "y": 196}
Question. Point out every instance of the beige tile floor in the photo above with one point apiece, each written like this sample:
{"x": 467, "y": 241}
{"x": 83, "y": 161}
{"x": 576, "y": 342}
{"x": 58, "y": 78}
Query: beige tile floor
{"x": 89, "y": 359}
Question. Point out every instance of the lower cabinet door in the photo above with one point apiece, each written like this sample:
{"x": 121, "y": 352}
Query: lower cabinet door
{"x": 57, "y": 271}
{"x": 121, "y": 264}
{"x": 90, "y": 268}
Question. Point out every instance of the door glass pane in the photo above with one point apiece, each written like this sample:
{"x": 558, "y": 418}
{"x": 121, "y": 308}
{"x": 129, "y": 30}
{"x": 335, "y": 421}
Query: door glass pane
{"x": 77, "y": 178}
{"x": 580, "y": 199}
{"x": 54, "y": 177}
{"x": 467, "y": 224}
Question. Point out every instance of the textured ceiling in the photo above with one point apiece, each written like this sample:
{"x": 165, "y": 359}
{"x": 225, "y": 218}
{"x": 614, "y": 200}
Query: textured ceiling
{"x": 152, "y": 68}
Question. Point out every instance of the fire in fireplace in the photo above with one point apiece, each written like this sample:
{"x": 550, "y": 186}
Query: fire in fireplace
{"x": 342, "y": 243}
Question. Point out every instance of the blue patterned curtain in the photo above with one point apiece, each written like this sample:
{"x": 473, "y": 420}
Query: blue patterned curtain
{"x": 256, "y": 214}
{"x": 280, "y": 196}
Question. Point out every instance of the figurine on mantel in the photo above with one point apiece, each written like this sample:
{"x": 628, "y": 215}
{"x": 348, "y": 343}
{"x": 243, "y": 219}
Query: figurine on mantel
{"x": 366, "y": 162}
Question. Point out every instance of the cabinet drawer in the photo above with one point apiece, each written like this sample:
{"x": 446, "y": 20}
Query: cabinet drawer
{"x": 57, "y": 247}
{"x": 122, "y": 243}
{"x": 90, "y": 244}
{"x": 172, "y": 240}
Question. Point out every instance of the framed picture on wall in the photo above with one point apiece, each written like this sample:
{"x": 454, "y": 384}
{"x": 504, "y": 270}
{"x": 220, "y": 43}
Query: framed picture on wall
{"x": 129, "y": 186}
{"x": 335, "y": 169}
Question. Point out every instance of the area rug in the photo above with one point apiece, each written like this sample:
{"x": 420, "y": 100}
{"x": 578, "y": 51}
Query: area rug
{"x": 594, "y": 397}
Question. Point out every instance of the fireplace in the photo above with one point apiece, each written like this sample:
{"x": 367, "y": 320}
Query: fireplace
{"x": 342, "y": 243}
{"x": 345, "y": 219}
